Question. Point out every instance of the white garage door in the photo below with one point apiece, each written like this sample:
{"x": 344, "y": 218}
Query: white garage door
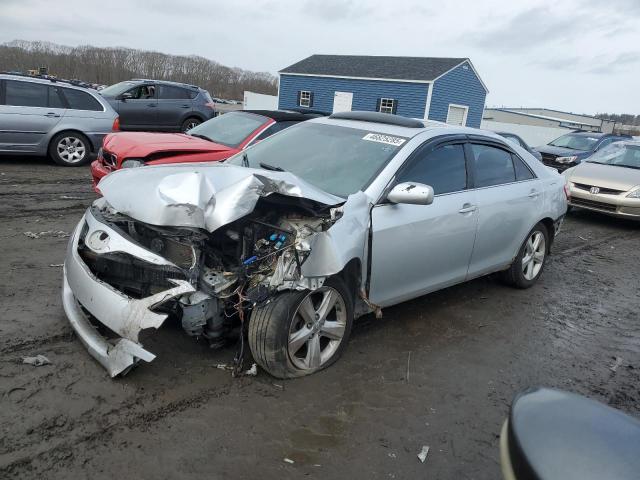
{"x": 457, "y": 114}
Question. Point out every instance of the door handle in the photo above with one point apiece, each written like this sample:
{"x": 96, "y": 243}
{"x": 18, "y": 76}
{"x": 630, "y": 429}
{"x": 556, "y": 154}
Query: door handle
{"x": 152, "y": 105}
{"x": 534, "y": 194}
{"x": 184, "y": 106}
{"x": 468, "y": 208}
{"x": 52, "y": 115}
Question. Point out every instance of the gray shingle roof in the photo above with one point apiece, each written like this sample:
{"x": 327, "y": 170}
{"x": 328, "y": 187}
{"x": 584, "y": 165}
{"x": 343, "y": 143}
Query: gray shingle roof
{"x": 399, "y": 68}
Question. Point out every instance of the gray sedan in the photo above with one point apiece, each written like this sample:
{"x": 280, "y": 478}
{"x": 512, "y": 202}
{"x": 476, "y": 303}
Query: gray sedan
{"x": 300, "y": 234}
{"x": 40, "y": 116}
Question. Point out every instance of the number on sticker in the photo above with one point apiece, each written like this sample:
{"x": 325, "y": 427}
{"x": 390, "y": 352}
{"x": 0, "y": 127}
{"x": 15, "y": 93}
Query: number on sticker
{"x": 388, "y": 139}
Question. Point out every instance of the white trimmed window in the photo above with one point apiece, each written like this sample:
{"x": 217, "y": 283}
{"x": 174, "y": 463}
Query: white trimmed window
{"x": 305, "y": 98}
{"x": 387, "y": 105}
{"x": 457, "y": 114}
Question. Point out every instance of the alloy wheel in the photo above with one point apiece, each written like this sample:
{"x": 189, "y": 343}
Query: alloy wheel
{"x": 71, "y": 149}
{"x": 317, "y": 328}
{"x": 534, "y": 253}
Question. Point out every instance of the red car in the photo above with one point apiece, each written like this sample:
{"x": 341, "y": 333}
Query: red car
{"x": 214, "y": 140}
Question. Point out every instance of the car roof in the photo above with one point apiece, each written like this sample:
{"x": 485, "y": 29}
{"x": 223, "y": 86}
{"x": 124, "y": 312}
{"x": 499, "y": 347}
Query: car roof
{"x": 430, "y": 126}
{"x": 163, "y": 82}
{"x": 281, "y": 115}
{"x": 45, "y": 81}
{"x": 588, "y": 134}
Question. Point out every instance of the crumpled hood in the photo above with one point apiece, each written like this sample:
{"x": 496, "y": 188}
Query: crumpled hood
{"x": 205, "y": 196}
{"x": 561, "y": 151}
{"x": 142, "y": 144}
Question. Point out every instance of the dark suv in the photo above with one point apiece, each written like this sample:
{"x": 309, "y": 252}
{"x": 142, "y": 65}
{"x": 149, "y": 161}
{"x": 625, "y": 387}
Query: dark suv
{"x": 159, "y": 105}
{"x": 569, "y": 150}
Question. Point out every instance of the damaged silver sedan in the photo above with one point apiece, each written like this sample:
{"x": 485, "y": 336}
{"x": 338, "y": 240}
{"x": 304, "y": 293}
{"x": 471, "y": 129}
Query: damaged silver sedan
{"x": 287, "y": 243}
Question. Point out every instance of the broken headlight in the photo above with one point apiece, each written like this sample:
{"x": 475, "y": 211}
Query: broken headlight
{"x": 132, "y": 163}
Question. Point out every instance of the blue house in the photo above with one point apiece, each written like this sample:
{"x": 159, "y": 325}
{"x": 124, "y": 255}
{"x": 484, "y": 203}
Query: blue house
{"x": 444, "y": 89}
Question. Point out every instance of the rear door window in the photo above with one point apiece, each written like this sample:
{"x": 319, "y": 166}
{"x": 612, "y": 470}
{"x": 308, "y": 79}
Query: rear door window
{"x": 55, "y": 98}
{"x": 444, "y": 169}
{"x": 169, "y": 92}
{"x": 492, "y": 166}
{"x": 79, "y": 100}
{"x": 26, "y": 94}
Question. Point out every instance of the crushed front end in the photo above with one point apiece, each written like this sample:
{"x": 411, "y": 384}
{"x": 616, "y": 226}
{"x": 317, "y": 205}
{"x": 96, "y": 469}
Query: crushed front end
{"x": 122, "y": 276}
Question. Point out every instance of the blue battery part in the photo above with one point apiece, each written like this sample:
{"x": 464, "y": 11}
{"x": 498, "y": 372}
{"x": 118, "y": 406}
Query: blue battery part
{"x": 250, "y": 260}
{"x": 273, "y": 237}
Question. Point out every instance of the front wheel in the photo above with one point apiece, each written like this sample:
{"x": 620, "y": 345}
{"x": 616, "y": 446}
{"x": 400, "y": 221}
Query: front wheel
{"x": 189, "y": 123}
{"x": 299, "y": 333}
{"x": 528, "y": 265}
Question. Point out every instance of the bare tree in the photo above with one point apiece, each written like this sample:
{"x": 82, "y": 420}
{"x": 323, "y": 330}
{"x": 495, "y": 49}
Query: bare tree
{"x": 112, "y": 65}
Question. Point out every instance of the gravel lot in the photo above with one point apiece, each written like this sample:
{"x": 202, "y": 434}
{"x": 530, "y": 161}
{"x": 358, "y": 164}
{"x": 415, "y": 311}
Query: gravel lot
{"x": 438, "y": 371}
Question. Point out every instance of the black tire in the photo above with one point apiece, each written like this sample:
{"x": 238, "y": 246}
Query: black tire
{"x": 189, "y": 123}
{"x": 269, "y": 329}
{"x": 72, "y": 139}
{"x": 515, "y": 275}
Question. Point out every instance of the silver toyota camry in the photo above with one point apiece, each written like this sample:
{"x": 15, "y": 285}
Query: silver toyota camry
{"x": 297, "y": 236}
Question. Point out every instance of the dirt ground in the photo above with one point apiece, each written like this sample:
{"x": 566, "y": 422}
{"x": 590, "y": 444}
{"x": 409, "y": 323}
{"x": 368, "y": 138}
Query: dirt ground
{"x": 438, "y": 371}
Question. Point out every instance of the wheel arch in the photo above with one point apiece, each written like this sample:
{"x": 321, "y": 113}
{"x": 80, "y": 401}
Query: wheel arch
{"x": 351, "y": 274}
{"x": 192, "y": 114}
{"x": 92, "y": 147}
{"x": 550, "y": 225}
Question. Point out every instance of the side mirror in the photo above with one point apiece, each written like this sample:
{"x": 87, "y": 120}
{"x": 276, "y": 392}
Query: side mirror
{"x": 411, "y": 193}
{"x": 126, "y": 96}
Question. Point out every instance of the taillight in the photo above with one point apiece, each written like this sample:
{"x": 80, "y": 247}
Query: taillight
{"x": 116, "y": 124}
{"x": 211, "y": 105}
{"x": 567, "y": 191}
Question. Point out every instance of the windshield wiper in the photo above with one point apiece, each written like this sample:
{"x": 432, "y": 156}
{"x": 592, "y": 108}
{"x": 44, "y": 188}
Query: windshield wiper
{"x": 199, "y": 135}
{"x": 266, "y": 166}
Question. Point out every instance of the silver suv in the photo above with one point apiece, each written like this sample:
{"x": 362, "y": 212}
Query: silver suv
{"x": 42, "y": 116}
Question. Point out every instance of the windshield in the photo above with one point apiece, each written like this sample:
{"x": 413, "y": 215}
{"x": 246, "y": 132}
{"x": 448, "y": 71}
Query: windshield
{"x": 619, "y": 154}
{"x": 117, "y": 89}
{"x": 230, "y": 129}
{"x": 338, "y": 160}
{"x": 575, "y": 142}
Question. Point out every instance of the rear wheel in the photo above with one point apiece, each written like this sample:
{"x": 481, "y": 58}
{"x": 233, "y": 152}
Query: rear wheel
{"x": 528, "y": 265}
{"x": 190, "y": 123}
{"x": 70, "y": 149}
{"x": 299, "y": 333}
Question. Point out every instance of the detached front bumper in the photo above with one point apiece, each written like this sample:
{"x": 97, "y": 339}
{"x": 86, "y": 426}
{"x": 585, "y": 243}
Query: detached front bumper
{"x": 124, "y": 316}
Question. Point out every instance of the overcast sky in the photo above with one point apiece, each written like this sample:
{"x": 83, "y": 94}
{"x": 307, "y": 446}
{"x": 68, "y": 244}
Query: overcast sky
{"x": 576, "y": 55}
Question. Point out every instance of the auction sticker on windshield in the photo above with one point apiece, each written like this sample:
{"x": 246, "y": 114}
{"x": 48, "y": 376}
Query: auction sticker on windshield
{"x": 388, "y": 139}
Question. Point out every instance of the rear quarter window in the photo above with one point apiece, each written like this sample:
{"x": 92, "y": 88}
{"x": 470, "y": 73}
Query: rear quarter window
{"x": 522, "y": 170}
{"x": 170, "y": 92}
{"x": 79, "y": 100}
